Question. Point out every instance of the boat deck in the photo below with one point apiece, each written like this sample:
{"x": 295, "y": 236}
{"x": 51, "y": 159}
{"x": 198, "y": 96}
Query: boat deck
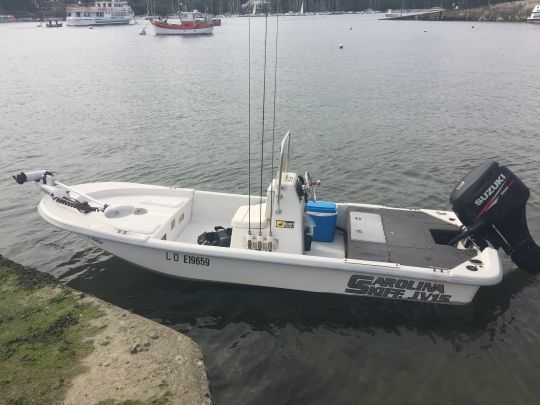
{"x": 407, "y": 237}
{"x": 335, "y": 249}
{"x": 196, "y": 227}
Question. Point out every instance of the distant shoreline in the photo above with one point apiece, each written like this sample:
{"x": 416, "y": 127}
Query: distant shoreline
{"x": 517, "y": 11}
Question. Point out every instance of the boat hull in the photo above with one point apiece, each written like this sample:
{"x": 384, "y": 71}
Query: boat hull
{"x": 194, "y": 31}
{"x": 177, "y": 29}
{"x": 85, "y": 22}
{"x": 376, "y": 283}
{"x": 533, "y": 20}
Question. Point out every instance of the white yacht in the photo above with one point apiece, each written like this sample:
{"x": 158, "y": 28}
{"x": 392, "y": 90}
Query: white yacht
{"x": 535, "y": 15}
{"x": 110, "y": 12}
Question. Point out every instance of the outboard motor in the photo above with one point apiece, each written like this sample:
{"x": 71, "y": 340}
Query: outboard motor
{"x": 490, "y": 201}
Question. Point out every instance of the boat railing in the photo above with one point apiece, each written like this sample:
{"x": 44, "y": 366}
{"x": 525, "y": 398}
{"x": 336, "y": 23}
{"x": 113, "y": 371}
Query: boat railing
{"x": 283, "y": 166}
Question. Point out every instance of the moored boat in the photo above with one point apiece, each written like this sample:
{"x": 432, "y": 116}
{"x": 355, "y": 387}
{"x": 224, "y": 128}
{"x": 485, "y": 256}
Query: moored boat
{"x": 535, "y": 15}
{"x": 108, "y": 12}
{"x": 190, "y": 23}
{"x": 288, "y": 239}
{"x": 392, "y": 13}
{"x": 55, "y": 24}
{"x": 7, "y": 19}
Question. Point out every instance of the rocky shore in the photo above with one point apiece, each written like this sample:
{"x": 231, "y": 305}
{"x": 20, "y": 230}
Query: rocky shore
{"x": 58, "y": 345}
{"x": 516, "y": 11}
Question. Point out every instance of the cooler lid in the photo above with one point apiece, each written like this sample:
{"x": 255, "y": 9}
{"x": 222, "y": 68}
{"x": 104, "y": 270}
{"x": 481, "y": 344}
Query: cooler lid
{"x": 321, "y": 206}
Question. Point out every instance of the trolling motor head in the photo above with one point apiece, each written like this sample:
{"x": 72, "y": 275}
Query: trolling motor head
{"x": 39, "y": 175}
{"x": 490, "y": 201}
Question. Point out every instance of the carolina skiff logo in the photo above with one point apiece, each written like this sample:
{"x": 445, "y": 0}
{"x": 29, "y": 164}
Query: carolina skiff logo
{"x": 387, "y": 287}
{"x": 496, "y": 184}
{"x": 97, "y": 240}
{"x": 284, "y": 224}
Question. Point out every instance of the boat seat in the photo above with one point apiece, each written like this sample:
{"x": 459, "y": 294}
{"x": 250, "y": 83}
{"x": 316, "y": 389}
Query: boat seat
{"x": 160, "y": 211}
{"x": 242, "y": 218}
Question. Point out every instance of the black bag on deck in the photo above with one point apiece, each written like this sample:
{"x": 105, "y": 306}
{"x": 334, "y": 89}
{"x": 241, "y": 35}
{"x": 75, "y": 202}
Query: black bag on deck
{"x": 221, "y": 237}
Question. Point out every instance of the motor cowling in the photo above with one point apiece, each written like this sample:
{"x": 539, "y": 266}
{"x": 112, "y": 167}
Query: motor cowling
{"x": 491, "y": 202}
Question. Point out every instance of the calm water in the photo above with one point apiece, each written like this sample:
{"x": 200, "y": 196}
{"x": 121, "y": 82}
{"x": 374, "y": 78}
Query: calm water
{"x": 396, "y": 117}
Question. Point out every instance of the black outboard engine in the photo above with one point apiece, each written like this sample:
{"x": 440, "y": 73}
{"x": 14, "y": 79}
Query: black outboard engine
{"x": 490, "y": 201}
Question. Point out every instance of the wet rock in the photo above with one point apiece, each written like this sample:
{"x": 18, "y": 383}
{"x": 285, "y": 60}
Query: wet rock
{"x": 111, "y": 370}
{"x": 59, "y": 384}
{"x": 15, "y": 400}
{"x": 27, "y": 277}
{"x": 135, "y": 348}
{"x": 28, "y": 358}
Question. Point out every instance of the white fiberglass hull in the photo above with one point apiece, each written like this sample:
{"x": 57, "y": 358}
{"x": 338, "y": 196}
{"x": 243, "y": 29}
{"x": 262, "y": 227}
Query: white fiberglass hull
{"x": 85, "y": 22}
{"x": 223, "y": 265}
{"x": 164, "y": 240}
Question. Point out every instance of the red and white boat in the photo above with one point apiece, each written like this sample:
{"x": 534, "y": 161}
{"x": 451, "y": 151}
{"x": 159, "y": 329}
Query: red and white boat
{"x": 189, "y": 23}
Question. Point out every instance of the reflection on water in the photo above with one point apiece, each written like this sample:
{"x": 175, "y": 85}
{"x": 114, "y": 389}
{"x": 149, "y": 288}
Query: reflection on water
{"x": 396, "y": 117}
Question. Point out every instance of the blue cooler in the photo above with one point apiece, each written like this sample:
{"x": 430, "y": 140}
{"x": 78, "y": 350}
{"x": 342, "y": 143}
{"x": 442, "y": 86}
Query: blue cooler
{"x": 324, "y": 214}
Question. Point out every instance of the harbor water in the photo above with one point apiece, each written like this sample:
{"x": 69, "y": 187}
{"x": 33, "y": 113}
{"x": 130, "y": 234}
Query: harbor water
{"x": 396, "y": 117}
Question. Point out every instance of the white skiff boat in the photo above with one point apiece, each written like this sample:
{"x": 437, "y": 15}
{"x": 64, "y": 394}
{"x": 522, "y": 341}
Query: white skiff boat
{"x": 374, "y": 251}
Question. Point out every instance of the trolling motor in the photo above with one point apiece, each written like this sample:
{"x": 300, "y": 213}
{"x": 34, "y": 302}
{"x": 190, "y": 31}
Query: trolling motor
{"x": 40, "y": 175}
{"x": 490, "y": 202}
{"x": 65, "y": 195}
